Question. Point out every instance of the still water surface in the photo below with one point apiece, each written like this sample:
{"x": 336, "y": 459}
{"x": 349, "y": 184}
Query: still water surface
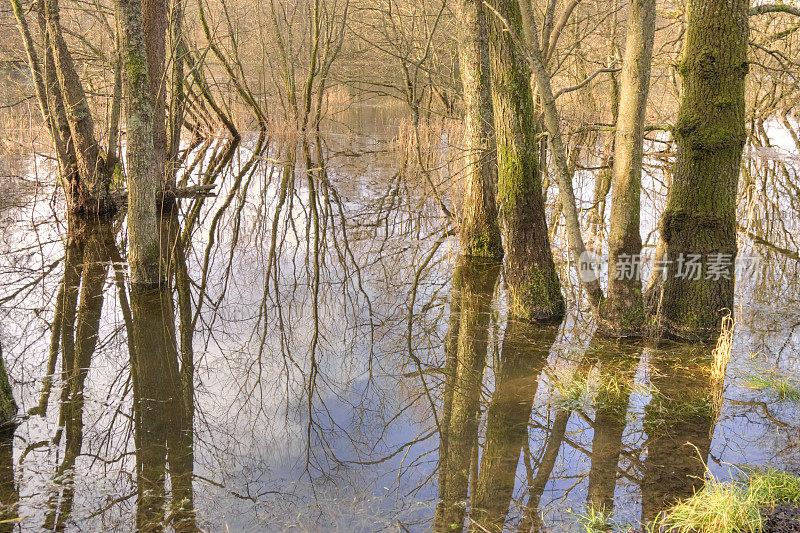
{"x": 323, "y": 361}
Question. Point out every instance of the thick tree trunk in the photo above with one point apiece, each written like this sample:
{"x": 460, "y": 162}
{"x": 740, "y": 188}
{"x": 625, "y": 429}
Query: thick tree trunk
{"x": 623, "y": 310}
{"x": 154, "y": 25}
{"x": 480, "y": 232}
{"x": 533, "y": 285}
{"x": 699, "y": 223}
{"x": 144, "y": 179}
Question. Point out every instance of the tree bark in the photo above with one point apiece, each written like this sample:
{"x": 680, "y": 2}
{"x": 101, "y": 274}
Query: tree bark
{"x": 178, "y": 96}
{"x": 533, "y": 285}
{"x": 700, "y": 217}
{"x": 144, "y": 179}
{"x": 623, "y": 310}
{"x": 563, "y": 174}
{"x": 480, "y": 232}
{"x": 154, "y": 26}
{"x": 91, "y": 194}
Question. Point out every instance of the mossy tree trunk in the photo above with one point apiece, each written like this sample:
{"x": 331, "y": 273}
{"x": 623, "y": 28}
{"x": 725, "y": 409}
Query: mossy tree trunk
{"x": 623, "y": 310}
{"x": 533, "y": 285}
{"x": 480, "y": 232}
{"x": 700, "y": 217}
{"x": 144, "y": 177}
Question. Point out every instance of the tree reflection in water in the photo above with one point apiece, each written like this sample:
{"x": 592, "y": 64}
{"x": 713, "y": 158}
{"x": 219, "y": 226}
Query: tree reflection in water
{"x": 319, "y": 359}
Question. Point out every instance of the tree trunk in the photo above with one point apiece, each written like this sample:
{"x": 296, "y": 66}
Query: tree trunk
{"x": 144, "y": 179}
{"x": 480, "y": 233}
{"x": 154, "y": 26}
{"x": 699, "y": 223}
{"x": 562, "y": 173}
{"x": 533, "y": 285}
{"x": 623, "y": 310}
{"x": 178, "y": 96}
{"x": 91, "y": 194}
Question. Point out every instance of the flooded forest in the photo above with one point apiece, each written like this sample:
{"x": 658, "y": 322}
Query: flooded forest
{"x": 400, "y": 265}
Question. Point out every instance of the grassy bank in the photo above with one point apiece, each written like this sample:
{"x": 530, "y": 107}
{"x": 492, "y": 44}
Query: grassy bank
{"x": 734, "y": 506}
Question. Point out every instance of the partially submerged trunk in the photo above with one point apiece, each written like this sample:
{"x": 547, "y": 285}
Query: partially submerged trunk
{"x": 533, "y": 284}
{"x": 144, "y": 180}
{"x": 623, "y": 310}
{"x": 480, "y": 232}
{"x": 563, "y": 174}
{"x": 699, "y": 224}
{"x": 90, "y": 192}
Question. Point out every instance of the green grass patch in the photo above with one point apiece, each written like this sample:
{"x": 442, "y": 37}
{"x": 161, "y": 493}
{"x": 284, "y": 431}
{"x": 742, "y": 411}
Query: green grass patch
{"x": 783, "y": 387}
{"x": 595, "y": 520}
{"x": 733, "y": 506}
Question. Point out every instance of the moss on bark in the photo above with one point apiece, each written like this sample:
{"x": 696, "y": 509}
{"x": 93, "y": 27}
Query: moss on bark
{"x": 534, "y": 289}
{"x": 700, "y": 218}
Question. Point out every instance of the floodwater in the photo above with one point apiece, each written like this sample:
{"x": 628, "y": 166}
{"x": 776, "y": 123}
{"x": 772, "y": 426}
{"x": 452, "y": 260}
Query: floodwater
{"x": 323, "y": 361}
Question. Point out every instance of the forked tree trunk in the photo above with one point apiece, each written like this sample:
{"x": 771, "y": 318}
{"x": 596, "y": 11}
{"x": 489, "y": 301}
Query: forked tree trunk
{"x": 143, "y": 171}
{"x": 91, "y": 192}
{"x": 480, "y": 232}
{"x": 533, "y": 285}
{"x": 623, "y": 310}
{"x": 700, "y": 219}
{"x": 563, "y": 174}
